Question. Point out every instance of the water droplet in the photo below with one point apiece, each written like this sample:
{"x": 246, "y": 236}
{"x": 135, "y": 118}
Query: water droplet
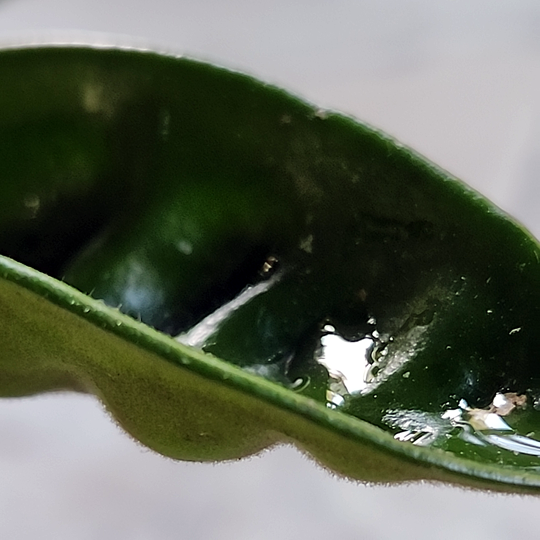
{"x": 185, "y": 247}
{"x": 301, "y": 384}
{"x": 32, "y": 203}
{"x": 482, "y": 428}
{"x": 165, "y": 121}
{"x": 347, "y": 363}
{"x": 285, "y": 119}
{"x": 306, "y": 244}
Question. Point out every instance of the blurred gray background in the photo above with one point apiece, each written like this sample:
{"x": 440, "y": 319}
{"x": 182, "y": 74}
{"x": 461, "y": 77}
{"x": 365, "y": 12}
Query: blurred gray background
{"x": 457, "y": 80}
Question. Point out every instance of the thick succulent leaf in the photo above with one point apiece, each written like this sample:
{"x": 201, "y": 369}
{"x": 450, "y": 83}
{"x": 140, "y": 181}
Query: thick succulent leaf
{"x": 325, "y": 285}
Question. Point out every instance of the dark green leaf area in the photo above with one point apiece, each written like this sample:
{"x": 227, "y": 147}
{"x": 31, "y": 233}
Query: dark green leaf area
{"x": 56, "y": 189}
{"x": 194, "y": 232}
{"x": 426, "y": 324}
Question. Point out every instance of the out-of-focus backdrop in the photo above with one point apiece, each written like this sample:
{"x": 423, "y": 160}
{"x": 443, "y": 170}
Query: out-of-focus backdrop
{"x": 460, "y": 82}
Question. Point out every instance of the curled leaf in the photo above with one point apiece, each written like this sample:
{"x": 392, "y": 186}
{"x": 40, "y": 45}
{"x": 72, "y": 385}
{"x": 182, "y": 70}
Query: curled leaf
{"x": 227, "y": 267}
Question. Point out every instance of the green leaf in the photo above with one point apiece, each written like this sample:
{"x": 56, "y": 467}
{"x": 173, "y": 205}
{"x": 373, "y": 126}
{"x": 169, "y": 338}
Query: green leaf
{"x": 227, "y": 268}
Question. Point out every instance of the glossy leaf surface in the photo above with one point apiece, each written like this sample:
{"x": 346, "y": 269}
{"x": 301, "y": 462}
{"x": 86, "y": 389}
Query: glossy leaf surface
{"x": 227, "y": 268}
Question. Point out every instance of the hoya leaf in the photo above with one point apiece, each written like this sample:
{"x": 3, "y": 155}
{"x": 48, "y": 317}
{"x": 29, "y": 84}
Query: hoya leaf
{"x": 227, "y": 268}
